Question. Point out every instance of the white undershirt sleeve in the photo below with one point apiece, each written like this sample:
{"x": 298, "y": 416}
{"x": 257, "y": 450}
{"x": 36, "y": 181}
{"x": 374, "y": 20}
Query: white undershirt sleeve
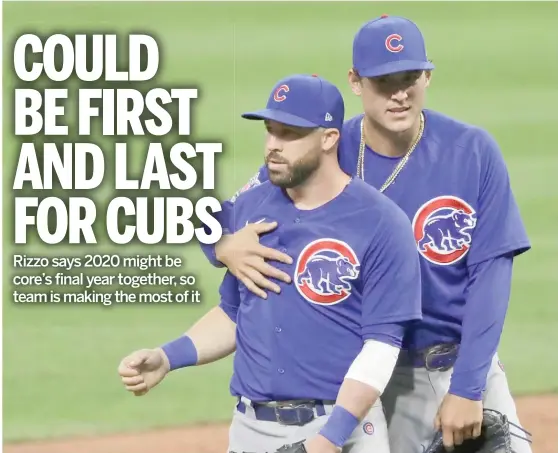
{"x": 374, "y": 365}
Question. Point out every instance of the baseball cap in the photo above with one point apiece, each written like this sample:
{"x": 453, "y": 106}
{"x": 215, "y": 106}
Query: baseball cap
{"x": 303, "y": 101}
{"x": 389, "y": 44}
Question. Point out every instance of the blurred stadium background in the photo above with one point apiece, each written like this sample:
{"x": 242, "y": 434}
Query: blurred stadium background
{"x": 496, "y": 67}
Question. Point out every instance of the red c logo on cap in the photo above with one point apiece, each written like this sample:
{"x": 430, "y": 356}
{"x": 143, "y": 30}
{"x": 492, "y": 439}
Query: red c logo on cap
{"x": 397, "y": 39}
{"x": 280, "y": 97}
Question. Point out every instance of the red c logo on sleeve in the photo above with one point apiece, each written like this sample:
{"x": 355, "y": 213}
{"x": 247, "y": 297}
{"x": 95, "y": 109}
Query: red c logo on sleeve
{"x": 393, "y": 43}
{"x": 277, "y": 97}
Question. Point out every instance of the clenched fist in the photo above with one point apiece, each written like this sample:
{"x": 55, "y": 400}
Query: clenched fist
{"x": 144, "y": 369}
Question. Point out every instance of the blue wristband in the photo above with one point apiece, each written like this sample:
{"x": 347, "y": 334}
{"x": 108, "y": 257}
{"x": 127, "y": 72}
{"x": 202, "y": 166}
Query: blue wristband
{"x": 181, "y": 352}
{"x": 340, "y": 426}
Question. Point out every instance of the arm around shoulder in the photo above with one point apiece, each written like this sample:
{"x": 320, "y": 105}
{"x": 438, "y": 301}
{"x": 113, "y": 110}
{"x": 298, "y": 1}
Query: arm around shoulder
{"x": 226, "y": 216}
{"x": 241, "y": 251}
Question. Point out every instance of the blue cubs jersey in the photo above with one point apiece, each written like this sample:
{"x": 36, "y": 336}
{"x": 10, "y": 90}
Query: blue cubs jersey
{"x": 455, "y": 190}
{"x": 355, "y": 270}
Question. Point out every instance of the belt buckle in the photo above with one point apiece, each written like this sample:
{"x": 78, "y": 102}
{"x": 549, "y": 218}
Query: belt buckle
{"x": 435, "y": 352}
{"x": 298, "y": 410}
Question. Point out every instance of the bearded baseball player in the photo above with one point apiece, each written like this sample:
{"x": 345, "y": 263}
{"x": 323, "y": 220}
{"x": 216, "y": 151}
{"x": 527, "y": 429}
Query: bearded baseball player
{"x": 451, "y": 180}
{"x": 311, "y": 361}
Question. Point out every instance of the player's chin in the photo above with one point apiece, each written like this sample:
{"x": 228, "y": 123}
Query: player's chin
{"x": 399, "y": 122}
{"x": 280, "y": 179}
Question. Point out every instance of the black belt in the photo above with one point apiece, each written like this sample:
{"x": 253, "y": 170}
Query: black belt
{"x": 440, "y": 357}
{"x": 287, "y": 412}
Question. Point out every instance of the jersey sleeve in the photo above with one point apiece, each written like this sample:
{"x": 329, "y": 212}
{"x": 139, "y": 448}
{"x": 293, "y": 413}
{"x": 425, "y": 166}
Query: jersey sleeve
{"x": 260, "y": 177}
{"x": 229, "y": 296}
{"x": 391, "y": 276}
{"x": 226, "y": 216}
{"x": 391, "y": 333}
{"x": 499, "y": 228}
{"x": 487, "y": 293}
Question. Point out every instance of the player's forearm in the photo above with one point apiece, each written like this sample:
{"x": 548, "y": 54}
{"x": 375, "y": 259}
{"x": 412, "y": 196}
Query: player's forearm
{"x": 357, "y": 397}
{"x": 485, "y": 311}
{"x": 212, "y": 338}
{"x": 354, "y": 401}
{"x": 363, "y": 384}
{"x": 370, "y": 372}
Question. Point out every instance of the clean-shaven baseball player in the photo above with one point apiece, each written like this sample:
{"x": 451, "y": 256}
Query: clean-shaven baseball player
{"x": 311, "y": 361}
{"x": 451, "y": 180}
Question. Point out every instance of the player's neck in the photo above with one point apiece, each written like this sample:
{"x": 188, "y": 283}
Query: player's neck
{"x": 388, "y": 143}
{"x": 325, "y": 184}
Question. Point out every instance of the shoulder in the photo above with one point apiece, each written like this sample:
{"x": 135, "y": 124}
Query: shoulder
{"x": 254, "y": 196}
{"x": 257, "y": 179}
{"x": 387, "y": 227}
{"x": 352, "y": 124}
{"x": 349, "y": 144}
{"x": 350, "y": 131}
{"x": 377, "y": 208}
{"x": 445, "y": 131}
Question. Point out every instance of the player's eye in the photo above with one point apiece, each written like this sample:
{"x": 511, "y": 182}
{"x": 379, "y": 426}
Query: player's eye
{"x": 292, "y": 135}
{"x": 413, "y": 76}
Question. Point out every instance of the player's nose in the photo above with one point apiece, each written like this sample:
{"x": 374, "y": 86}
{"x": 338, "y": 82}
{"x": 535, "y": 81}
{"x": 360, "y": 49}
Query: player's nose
{"x": 274, "y": 144}
{"x": 400, "y": 95}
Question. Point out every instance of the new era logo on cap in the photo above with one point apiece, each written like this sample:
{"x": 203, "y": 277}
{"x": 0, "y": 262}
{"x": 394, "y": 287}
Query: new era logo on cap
{"x": 328, "y": 117}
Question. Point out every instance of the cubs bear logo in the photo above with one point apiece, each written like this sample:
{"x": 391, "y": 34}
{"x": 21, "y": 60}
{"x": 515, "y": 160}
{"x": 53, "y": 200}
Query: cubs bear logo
{"x": 324, "y": 271}
{"x": 442, "y": 228}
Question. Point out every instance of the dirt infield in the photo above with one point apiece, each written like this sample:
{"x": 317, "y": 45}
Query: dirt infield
{"x": 539, "y": 414}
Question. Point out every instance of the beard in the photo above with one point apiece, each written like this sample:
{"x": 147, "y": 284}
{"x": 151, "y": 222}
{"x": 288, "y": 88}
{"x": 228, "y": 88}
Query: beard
{"x": 294, "y": 174}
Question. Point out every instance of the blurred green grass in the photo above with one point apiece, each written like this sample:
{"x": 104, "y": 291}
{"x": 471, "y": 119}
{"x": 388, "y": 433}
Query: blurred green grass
{"x": 494, "y": 68}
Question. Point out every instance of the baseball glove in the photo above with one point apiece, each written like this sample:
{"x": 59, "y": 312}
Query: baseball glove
{"x": 495, "y": 437}
{"x": 297, "y": 447}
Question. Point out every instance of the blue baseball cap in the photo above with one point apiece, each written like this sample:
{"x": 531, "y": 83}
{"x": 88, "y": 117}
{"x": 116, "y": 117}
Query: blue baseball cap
{"x": 303, "y": 101}
{"x": 389, "y": 44}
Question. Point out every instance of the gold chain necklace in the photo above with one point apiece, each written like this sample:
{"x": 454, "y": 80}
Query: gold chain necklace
{"x": 402, "y": 163}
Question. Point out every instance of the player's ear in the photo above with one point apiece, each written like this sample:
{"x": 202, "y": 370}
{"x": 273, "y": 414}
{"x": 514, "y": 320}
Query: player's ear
{"x": 428, "y": 75}
{"x": 355, "y": 82}
{"x": 330, "y": 138}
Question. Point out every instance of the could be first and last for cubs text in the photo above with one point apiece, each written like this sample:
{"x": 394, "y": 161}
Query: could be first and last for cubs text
{"x": 121, "y": 112}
